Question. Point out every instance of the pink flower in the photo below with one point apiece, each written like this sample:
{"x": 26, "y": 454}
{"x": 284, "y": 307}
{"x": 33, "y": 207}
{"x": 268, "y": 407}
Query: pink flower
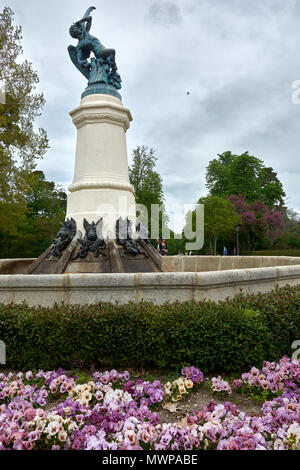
{"x": 30, "y": 414}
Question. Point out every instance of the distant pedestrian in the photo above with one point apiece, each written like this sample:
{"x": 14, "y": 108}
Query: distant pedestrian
{"x": 163, "y": 248}
{"x": 225, "y": 252}
{"x": 190, "y": 253}
{"x": 234, "y": 252}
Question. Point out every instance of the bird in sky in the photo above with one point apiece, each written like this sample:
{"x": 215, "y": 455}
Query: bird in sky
{"x": 188, "y": 93}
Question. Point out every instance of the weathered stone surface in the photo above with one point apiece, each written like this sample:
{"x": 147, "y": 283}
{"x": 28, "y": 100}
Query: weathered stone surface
{"x": 222, "y": 263}
{"x": 158, "y": 288}
{"x": 15, "y": 266}
{"x": 101, "y": 186}
{"x": 178, "y": 263}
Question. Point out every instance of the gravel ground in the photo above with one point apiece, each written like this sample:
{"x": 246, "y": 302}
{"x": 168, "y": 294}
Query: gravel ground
{"x": 196, "y": 400}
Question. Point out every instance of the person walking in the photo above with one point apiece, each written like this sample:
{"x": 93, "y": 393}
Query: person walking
{"x": 163, "y": 248}
{"x": 225, "y": 252}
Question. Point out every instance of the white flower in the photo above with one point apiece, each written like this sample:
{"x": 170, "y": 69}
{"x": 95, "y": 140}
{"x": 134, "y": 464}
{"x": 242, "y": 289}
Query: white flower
{"x": 62, "y": 436}
{"x": 294, "y": 431}
{"x": 131, "y": 436}
{"x": 98, "y": 395}
{"x": 179, "y": 382}
{"x": 127, "y": 397}
{"x": 219, "y": 412}
{"x": 278, "y": 445}
{"x": 87, "y": 396}
{"x": 84, "y": 402}
{"x": 41, "y": 426}
{"x": 53, "y": 428}
{"x": 72, "y": 427}
{"x": 119, "y": 393}
{"x": 188, "y": 383}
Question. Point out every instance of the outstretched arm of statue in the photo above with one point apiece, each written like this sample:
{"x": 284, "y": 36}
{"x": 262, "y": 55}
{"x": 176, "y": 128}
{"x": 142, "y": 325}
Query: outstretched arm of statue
{"x": 88, "y": 12}
{"x": 87, "y": 19}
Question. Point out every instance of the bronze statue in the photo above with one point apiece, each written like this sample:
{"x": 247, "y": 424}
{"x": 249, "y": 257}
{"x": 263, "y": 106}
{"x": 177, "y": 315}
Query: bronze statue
{"x": 93, "y": 242}
{"x": 99, "y": 68}
{"x": 63, "y": 239}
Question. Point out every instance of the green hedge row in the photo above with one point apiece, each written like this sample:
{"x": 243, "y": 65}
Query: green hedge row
{"x": 226, "y": 336}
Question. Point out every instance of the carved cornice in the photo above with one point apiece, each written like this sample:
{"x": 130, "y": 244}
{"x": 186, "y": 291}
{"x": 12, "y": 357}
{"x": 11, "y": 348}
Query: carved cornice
{"x": 101, "y": 112}
{"x": 100, "y": 185}
{"x": 91, "y": 118}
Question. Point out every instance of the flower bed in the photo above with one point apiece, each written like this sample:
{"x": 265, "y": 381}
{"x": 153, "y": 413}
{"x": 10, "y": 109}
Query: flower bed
{"x": 51, "y": 410}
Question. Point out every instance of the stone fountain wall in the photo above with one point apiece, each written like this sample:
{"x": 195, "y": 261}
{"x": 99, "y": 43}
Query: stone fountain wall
{"x": 197, "y": 278}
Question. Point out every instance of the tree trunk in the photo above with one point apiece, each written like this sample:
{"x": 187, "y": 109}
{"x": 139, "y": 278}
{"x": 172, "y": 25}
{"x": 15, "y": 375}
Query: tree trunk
{"x": 249, "y": 241}
{"x": 215, "y": 246}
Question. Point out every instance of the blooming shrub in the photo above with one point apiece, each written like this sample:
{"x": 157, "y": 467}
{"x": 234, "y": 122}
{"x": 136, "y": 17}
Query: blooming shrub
{"x": 113, "y": 412}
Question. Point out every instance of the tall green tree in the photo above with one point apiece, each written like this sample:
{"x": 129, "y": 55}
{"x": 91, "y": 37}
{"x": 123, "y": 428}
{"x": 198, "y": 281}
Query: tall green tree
{"x": 45, "y": 209}
{"x": 290, "y": 238}
{"x": 21, "y": 145}
{"x": 147, "y": 182}
{"x": 271, "y": 189}
{"x": 244, "y": 175}
{"x": 220, "y": 219}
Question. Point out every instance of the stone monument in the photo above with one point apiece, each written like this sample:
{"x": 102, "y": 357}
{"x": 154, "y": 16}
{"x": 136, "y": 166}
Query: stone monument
{"x": 101, "y": 232}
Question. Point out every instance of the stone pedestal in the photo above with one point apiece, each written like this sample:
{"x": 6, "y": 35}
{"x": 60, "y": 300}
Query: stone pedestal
{"x": 101, "y": 186}
{"x": 100, "y": 190}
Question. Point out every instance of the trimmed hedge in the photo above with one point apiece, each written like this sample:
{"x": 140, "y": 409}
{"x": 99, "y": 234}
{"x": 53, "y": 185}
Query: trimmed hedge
{"x": 231, "y": 335}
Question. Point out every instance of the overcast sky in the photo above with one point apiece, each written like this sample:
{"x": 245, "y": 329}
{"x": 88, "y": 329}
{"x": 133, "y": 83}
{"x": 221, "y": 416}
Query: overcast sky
{"x": 237, "y": 58}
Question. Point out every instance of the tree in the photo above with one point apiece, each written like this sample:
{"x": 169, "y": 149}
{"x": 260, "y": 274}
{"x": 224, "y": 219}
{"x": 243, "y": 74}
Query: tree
{"x": 271, "y": 191}
{"x": 147, "y": 182}
{"x": 220, "y": 218}
{"x": 290, "y": 238}
{"x": 176, "y": 245}
{"x": 21, "y": 146}
{"x": 244, "y": 175}
{"x": 45, "y": 209}
{"x": 257, "y": 221}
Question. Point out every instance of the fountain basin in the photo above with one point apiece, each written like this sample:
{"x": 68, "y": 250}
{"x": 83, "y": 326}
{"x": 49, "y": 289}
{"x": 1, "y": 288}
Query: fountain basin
{"x": 196, "y": 278}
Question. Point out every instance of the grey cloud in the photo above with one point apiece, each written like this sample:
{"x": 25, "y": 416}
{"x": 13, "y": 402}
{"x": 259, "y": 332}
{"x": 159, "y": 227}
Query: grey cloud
{"x": 237, "y": 58}
{"x": 164, "y": 14}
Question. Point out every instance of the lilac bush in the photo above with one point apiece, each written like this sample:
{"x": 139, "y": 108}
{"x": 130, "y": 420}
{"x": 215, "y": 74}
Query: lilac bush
{"x": 51, "y": 410}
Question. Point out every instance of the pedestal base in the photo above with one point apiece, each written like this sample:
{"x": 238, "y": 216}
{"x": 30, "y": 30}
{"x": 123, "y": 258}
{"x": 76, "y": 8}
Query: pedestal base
{"x": 101, "y": 186}
{"x": 101, "y": 234}
{"x": 100, "y": 88}
{"x": 108, "y": 204}
{"x": 113, "y": 259}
